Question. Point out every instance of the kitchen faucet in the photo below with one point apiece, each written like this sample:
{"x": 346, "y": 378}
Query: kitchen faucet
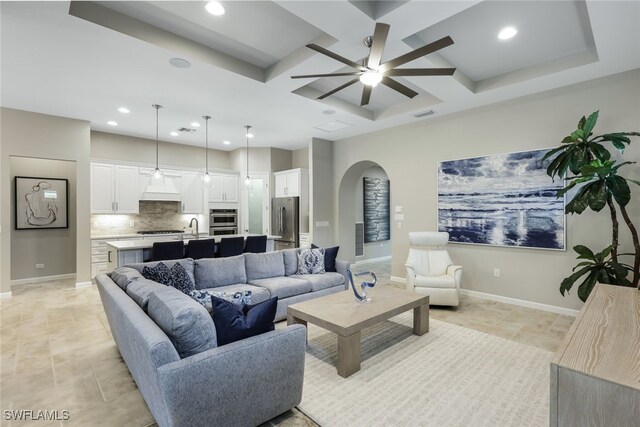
{"x": 191, "y": 226}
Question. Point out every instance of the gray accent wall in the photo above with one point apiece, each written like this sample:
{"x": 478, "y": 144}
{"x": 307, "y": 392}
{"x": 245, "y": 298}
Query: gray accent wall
{"x": 300, "y": 158}
{"x": 409, "y": 154}
{"x": 321, "y": 221}
{"x": 372, "y": 250}
{"x": 55, "y": 248}
{"x": 26, "y": 134}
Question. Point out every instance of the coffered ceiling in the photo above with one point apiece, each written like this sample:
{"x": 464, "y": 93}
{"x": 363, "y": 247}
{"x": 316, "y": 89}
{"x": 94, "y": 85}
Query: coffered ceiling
{"x": 86, "y": 59}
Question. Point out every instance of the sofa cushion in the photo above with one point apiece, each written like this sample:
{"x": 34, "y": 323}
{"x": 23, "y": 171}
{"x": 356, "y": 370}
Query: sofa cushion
{"x": 330, "y": 255}
{"x": 187, "y": 323}
{"x": 264, "y": 265}
{"x": 122, "y": 276}
{"x": 187, "y": 263}
{"x": 234, "y": 323}
{"x": 311, "y": 261}
{"x": 322, "y": 281}
{"x": 290, "y": 257}
{"x": 140, "y": 291}
{"x": 258, "y": 294}
{"x": 214, "y": 272}
{"x": 283, "y": 287}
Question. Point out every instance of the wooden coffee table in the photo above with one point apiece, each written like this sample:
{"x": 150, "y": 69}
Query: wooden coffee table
{"x": 343, "y": 314}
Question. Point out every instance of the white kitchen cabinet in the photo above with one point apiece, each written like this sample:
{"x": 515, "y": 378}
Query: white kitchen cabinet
{"x": 114, "y": 189}
{"x": 192, "y": 193}
{"x": 223, "y": 188}
{"x": 291, "y": 183}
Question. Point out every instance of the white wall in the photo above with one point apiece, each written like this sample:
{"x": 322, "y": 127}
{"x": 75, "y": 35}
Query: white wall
{"x": 55, "y": 248}
{"x": 26, "y": 134}
{"x": 372, "y": 250}
{"x": 409, "y": 154}
{"x": 300, "y": 158}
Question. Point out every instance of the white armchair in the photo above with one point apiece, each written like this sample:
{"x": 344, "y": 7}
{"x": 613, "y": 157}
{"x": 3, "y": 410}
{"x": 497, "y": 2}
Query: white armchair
{"x": 430, "y": 270}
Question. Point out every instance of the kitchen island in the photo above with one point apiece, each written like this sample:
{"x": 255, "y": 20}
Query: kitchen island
{"x": 124, "y": 252}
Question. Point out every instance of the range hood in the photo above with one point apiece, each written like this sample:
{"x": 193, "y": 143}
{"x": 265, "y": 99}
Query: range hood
{"x": 165, "y": 191}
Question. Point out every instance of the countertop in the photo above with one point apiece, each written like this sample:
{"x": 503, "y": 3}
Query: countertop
{"x": 136, "y": 235}
{"x": 145, "y": 244}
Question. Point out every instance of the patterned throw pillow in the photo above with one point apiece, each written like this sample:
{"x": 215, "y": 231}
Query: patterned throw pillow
{"x": 204, "y": 297}
{"x": 311, "y": 261}
{"x": 179, "y": 279}
{"x": 159, "y": 273}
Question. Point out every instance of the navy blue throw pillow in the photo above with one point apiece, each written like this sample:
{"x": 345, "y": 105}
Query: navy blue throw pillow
{"x": 160, "y": 273}
{"x": 330, "y": 255}
{"x": 234, "y": 323}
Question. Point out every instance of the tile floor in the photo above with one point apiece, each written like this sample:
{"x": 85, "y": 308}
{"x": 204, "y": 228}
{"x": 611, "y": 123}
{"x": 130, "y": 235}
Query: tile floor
{"x": 56, "y": 351}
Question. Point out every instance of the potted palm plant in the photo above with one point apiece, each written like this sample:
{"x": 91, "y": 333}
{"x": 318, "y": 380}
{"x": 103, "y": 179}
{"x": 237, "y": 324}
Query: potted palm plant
{"x": 584, "y": 162}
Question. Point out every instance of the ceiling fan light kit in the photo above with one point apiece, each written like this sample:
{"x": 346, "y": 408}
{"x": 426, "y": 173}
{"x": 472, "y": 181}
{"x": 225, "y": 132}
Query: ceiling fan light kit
{"x": 374, "y": 71}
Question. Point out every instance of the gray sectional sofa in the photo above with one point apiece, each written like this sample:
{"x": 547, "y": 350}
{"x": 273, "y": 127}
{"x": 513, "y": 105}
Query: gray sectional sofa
{"x": 168, "y": 340}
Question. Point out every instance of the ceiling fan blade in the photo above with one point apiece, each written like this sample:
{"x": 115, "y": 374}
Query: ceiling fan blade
{"x": 308, "y": 76}
{"x": 418, "y": 53}
{"x": 420, "y": 72}
{"x": 339, "y": 88}
{"x": 335, "y": 56}
{"x": 399, "y": 87}
{"x": 377, "y": 45}
{"x": 366, "y": 95}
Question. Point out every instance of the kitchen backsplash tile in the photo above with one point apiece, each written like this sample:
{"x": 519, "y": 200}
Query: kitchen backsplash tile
{"x": 152, "y": 216}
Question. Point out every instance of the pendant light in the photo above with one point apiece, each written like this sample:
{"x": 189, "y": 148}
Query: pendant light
{"x": 157, "y": 174}
{"x": 206, "y": 177}
{"x": 247, "y": 180}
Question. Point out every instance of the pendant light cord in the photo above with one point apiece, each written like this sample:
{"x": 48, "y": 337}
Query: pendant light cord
{"x": 248, "y": 127}
{"x": 206, "y": 143}
{"x": 157, "y": 107}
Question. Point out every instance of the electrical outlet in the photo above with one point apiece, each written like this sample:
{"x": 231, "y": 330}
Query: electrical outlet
{"x": 95, "y": 224}
{"x": 131, "y": 224}
{"x": 496, "y": 272}
{"x": 39, "y": 265}
{"x": 399, "y": 224}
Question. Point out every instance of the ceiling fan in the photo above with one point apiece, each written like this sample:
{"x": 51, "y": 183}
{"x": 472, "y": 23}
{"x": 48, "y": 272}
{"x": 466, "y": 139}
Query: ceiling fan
{"x": 372, "y": 71}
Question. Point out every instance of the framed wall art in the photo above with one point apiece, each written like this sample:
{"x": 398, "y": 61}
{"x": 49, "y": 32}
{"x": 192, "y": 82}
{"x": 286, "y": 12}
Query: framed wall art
{"x": 504, "y": 200}
{"x": 377, "y": 222}
{"x": 41, "y": 203}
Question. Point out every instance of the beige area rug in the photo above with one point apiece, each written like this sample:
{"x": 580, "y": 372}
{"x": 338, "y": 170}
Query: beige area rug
{"x": 452, "y": 376}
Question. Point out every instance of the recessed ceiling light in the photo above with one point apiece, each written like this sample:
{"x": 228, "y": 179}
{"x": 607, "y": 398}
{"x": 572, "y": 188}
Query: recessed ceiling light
{"x": 329, "y": 112}
{"x": 124, "y": 110}
{"x": 179, "y": 63}
{"x": 507, "y": 33}
{"x": 195, "y": 124}
{"x": 226, "y": 142}
{"x": 249, "y": 135}
{"x": 112, "y": 123}
{"x": 174, "y": 133}
{"x": 215, "y": 8}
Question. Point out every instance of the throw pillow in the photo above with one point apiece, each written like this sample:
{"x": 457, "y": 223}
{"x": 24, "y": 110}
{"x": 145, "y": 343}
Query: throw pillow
{"x": 179, "y": 279}
{"x": 234, "y": 323}
{"x": 311, "y": 261}
{"x": 159, "y": 273}
{"x": 204, "y": 297}
{"x": 330, "y": 255}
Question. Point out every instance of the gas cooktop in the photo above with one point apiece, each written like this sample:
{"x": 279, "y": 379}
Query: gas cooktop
{"x": 160, "y": 232}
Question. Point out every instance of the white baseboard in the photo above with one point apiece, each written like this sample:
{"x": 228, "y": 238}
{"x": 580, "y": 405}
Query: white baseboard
{"x": 366, "y": 261}
{"x": 507, "y": 300}
{"x": 43, "y": 279}
{"x": 80, "y": 285}
{"x": 520, "y": 302}
{"x": 5, "y": 295}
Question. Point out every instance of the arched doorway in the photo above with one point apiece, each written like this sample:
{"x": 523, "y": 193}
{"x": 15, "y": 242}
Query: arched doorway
{"x": 350, "y": 211}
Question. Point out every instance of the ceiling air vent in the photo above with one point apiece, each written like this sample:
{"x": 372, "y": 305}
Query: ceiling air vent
{"x": 186, "y": 130}
{"x": 423, "y": 114}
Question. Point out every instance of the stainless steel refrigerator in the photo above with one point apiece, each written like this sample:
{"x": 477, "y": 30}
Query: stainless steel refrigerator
{"x": 285, "y": 220}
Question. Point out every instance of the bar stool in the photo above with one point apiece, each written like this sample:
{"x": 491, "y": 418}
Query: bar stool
{"x": 197, "y": 249}
{"x": 230, "y": 246}
{"x": 163, "y": 251}
{"x": 256, "y": 244}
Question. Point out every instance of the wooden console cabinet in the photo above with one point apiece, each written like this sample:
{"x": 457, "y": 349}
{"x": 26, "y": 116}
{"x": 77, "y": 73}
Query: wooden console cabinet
{"x": 595, "y": 375}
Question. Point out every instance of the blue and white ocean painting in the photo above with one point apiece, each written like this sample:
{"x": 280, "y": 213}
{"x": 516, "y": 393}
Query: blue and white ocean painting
{"x": 505, "y": 199}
